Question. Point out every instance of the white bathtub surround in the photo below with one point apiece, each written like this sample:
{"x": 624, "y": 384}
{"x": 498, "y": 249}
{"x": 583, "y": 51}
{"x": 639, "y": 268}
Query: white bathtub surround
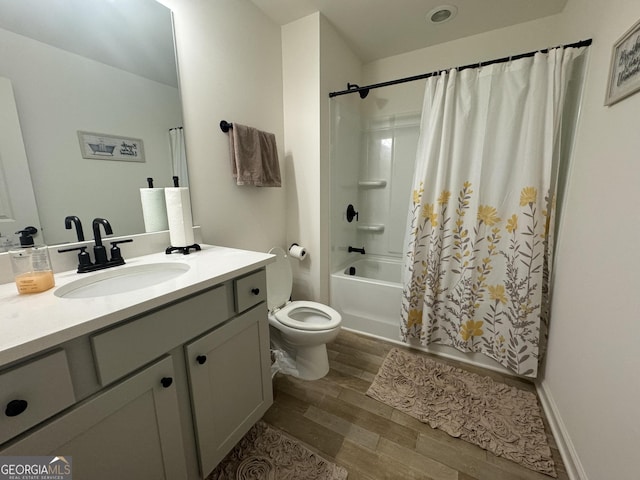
{"x": 480, "y": 232}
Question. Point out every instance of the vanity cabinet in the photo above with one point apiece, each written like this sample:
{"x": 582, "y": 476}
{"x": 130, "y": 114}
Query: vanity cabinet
{"x": 131, "y": 430}
{"x": 171, "y": 391}
{"x": 230, "y": 383}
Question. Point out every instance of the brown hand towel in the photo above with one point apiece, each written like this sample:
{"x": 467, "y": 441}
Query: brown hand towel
{"x": 254, "y": 156}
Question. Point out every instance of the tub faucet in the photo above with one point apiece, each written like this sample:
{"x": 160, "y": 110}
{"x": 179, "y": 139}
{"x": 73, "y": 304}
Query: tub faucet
{"x": 99, "y": 252}
{"x": 72, "y": 219}
{"x": 358, "y": 250}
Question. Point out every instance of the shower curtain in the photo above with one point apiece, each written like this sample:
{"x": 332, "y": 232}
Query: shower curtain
{"x": 479, "y": 233}
{"x": 179, "y": 155}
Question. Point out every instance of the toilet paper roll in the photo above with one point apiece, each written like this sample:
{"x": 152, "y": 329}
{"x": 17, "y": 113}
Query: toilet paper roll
{"x": 296, "y": 251}
{"x": 154, "y": 209}
{"x": 179, "y": 216}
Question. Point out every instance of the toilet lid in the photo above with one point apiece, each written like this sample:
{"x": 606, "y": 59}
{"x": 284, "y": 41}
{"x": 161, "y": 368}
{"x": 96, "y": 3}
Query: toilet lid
{"x": 279, "y": 279}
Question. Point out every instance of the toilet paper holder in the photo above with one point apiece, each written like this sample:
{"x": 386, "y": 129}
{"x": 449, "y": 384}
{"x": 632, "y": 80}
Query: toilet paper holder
{"x": 296, "y": 251}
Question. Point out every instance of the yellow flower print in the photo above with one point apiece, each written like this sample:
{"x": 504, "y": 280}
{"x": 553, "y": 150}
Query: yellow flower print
{"x": 444, "y": 197}
{"x": 488, "y": 215}
{"x": 496, "y": 292}
{"x": 428, "y": 211}
{"x": 417, "y": 194}
{"x": 528, "y": 195}
{"x": 415, "y": 318}
{"x": 512, "y": 223}
{"x": 471, "y": 328}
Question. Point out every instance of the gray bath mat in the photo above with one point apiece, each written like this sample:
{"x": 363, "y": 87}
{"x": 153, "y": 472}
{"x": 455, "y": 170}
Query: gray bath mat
{"x": 265, "y": 453}
{"x": 499, "y": 418}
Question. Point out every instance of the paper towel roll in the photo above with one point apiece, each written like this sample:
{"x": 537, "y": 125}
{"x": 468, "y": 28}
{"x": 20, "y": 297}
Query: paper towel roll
{"x": 154, "y": 209}
{"x": 296, "y": 251}
{"x": 179, "y": 216}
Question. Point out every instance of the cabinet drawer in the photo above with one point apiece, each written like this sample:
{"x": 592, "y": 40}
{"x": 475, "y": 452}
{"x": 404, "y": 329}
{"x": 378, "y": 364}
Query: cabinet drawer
{"x": 125, "y": 348}
{"x": 37, "y": 389}
{"x": 250, "y": 290}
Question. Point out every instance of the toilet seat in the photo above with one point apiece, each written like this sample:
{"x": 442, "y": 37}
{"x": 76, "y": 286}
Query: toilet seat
{"x": 304, "y": 315}
{"x": 300, "y": 315}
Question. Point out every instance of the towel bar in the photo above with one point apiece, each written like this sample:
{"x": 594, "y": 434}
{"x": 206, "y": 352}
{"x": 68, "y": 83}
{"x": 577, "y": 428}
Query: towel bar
{"x": 225, "y": 126}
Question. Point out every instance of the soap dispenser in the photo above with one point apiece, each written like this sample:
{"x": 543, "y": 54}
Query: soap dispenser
{"x": 31, "y": 264}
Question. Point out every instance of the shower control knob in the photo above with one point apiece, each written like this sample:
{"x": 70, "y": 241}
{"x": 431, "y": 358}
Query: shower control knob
{"x": 201, "y": 359}
{"x": 255, "y": 291}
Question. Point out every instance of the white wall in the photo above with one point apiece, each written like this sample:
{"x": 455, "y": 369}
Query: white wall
{"x": 315, "y": 61}
{"x": 594, "y": 359}
{"x": 590, "y": 382}
{"x": 230, "y": 67}
{"x": 301, "y": 90}
{"x": 58, "y": 93}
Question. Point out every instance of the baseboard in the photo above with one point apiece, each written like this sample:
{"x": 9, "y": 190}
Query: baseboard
{"x": 565, "y": 445}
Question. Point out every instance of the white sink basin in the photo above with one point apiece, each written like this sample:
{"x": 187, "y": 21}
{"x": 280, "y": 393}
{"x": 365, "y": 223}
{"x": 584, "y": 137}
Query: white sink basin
{"x": 121, "y": 280}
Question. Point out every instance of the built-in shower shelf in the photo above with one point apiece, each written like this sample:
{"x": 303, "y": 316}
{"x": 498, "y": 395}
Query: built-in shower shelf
{"x": 372, "y": 183}
{"x": 377, "y": 228}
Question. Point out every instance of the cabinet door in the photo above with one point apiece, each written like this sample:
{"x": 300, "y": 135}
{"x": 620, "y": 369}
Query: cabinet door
{"x": 230, "y": 378}
{"x": 130, "y": 431}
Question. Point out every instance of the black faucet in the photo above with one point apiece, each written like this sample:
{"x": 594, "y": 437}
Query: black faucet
{"x": 76, "y": 221}
{"x": 358, "y": 250}
{"x": 99, "y": 252}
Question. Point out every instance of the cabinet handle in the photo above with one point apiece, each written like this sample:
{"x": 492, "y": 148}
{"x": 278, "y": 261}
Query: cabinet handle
{"x": 201, "y": 359}
{"x": 15, "y": 408}
{"x": 255, "y": 291}
{"x": 166, "y": 382}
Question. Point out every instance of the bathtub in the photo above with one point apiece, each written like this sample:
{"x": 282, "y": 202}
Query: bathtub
{"x": 368, "y": 295}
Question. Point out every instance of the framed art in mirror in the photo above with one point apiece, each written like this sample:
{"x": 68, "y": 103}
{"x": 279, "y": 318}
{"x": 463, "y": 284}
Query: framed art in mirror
{"x": 99, "y": 146}
{"x": 624, "y": 73}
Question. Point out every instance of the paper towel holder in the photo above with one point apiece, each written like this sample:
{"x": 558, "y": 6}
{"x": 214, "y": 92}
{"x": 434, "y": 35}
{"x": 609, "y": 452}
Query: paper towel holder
{"x": 183, "y": 250}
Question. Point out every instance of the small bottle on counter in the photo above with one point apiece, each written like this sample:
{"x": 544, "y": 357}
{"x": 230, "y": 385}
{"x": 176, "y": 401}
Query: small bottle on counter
{"x": 31, "y": 264}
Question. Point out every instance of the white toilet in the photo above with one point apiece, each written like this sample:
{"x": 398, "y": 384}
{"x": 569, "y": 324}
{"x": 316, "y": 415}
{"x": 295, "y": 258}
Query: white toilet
{"x": 300, "y": 329}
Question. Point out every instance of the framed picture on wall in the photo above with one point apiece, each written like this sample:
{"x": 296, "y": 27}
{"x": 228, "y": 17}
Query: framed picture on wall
{"x": 624, "y": 73}
{"x": 99, "y": 146}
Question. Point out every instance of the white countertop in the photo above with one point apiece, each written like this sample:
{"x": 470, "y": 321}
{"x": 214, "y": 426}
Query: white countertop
{"x": 35, "y": 322}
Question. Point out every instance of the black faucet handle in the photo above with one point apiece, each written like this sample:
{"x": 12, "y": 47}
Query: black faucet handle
{"x": 115, "y": 250}
{"x": 84, "y": 260}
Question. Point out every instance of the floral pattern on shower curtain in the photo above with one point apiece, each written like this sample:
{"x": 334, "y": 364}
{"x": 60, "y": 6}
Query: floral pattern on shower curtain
{"x": 480, "y": 226}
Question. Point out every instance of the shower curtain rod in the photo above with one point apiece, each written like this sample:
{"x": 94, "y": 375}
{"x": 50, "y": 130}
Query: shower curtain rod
{"x": 364, "y": 91}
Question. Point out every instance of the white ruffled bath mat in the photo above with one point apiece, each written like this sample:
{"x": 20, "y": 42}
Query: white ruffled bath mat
{"x": 499, "y": 418}
{"x": 265, "y": 453}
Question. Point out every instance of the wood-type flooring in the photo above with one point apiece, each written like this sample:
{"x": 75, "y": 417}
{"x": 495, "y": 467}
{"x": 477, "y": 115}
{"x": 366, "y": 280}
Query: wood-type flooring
{"x": 373, "y": 441}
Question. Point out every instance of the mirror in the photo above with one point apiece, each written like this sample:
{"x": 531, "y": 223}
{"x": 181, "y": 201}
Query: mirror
{"x": 103, "y": 67}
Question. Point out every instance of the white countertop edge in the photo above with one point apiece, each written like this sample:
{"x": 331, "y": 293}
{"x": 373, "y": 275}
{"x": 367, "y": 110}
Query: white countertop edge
{"x": 30, "y": 324}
